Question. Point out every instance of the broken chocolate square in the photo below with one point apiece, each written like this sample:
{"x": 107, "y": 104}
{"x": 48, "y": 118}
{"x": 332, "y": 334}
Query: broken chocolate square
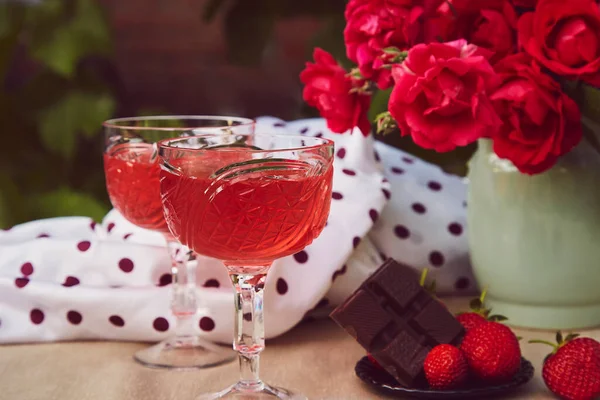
{"x": 397, "y": 321}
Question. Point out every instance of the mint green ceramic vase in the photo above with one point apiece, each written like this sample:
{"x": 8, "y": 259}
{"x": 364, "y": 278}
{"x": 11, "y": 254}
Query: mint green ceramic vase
{"x": 535, "y": 240}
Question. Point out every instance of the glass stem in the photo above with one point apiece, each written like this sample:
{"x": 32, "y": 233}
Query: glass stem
{"x": 183, "y": 286}
{"x": 249, "y": 340}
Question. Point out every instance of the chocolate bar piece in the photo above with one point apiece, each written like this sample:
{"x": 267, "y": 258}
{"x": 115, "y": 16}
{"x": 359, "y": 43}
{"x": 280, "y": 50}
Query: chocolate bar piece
{"x": 397, "y": 321}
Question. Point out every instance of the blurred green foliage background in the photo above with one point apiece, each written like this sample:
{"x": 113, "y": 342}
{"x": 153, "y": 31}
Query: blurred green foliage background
{"x": 53, "y": 100}
{"x": 60, "y": 83}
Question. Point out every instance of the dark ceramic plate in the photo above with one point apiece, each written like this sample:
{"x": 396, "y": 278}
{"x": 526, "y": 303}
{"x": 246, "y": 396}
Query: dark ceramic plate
{"x": 383, "y": 381}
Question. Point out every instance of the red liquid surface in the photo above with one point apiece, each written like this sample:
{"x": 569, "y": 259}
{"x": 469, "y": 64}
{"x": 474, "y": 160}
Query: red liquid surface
{"x": 132, "y": 181}
{"x": 247, "y": 219}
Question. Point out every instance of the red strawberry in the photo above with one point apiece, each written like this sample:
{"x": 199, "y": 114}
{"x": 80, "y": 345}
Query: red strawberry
{"x": 374, "y": 361}
{"x": 446, "y": 367}
{"x": 572, "y": 370}
{"x": 470, "y": 320}
{"x": 492, "y": 351}
{"x": 478, "y": 314}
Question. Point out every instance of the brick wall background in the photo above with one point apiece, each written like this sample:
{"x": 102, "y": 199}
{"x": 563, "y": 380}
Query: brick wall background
{"x": 169, "y": 59}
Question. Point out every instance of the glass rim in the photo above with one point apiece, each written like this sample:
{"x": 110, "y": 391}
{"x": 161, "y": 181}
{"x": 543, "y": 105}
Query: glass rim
{"x": 163, "y": 144}
{"x": 114, "y": 123}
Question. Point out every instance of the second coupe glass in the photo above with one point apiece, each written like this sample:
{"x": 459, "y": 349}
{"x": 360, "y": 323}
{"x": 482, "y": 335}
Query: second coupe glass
{"x": 132, "y": 179}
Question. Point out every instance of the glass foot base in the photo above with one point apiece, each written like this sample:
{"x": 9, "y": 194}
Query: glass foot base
{"x": 187, "y": 352}
{"x": 254, "y": 392}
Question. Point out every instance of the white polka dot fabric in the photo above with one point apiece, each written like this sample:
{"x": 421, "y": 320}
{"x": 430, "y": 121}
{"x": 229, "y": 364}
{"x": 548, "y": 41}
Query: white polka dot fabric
{"x": 69, "y": 278}
{"x": 424, "y": 223}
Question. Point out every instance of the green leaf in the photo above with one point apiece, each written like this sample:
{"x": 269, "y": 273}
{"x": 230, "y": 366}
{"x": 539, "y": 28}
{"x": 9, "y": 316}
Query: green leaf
{"x": 67, "y": 202}
{"x": 61, "y": 46}
{"x": 559, "y": 337}
{"x": 498, "y": 318}
{"x": 75, "y": 113}
{"x": 379, "y": 103}
{"x": 571, "y": 336}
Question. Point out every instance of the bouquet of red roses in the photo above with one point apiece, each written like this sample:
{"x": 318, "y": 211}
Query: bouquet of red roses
{"x": 519, "y": 72}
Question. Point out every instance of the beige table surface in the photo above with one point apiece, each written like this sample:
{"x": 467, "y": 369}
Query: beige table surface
{"x": 317, "y": 358}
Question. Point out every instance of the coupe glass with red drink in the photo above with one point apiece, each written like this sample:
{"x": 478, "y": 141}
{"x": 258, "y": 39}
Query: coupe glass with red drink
{"x": 132, "y": 175}
{"x": 247, "y": 200}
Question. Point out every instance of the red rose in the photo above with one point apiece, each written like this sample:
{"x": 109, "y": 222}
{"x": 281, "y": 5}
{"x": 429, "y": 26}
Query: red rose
{"x": 490, "y": 24}
{"x": 440, "y": 98}
{"x": 328, "y": 88}
{"x": 564, "y": 36}
{"x": 540, "y": 122}
{"x": 524, "y": 3}
{"x": 372, "y": 25}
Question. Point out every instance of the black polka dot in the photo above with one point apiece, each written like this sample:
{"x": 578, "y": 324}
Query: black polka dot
{"x": 74, "y": 317}
{"x": 282, "y": 286}
{"x": 70, "y": 281}
{"x": 387, "y": 193}
{"x": 207, "y": 324}
{"x": 374, "y": 215}
{"x": 397, "y": 171}
{"x": 337, "y": 196}
{"x": 110, "y": 227}
{"x": 301, "y": 257}
{"x": 408, "y": 160}
{"x": 348, "y": 172}
{"x": 341, "y": 153}
{"x": 27, "y": 269}
{"x": 462, "y": 283}
{"x": 339, "y": 272}
{"x": 36, "y": 316}
{"x": 376, "y": 155}
{"x": 126, "y": 236}
{"x": 304, "y": 130}
{"x": 84, "y": 245}
{"x": 419, "y": 208}
{"x": 116, "y": 321}
{"x": 455, "y": 228}
{"x": 21, "y": 282}
{"x": 165, "y": 279}
{"x": 126, "y": 265}
{"x": 212, "y": 283}
{"x": 435, "y": 186}
{"x": 355, "y": 241}
{"x": 279, "y": 124}
{"x": 93, "y": 225}
{"x": 436, "y": 259}
{"x": 401, "y": 231}
{"x": 43, "y": 235}
{"x": 161, "y": 324}
{"x": 319, "y": 135}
